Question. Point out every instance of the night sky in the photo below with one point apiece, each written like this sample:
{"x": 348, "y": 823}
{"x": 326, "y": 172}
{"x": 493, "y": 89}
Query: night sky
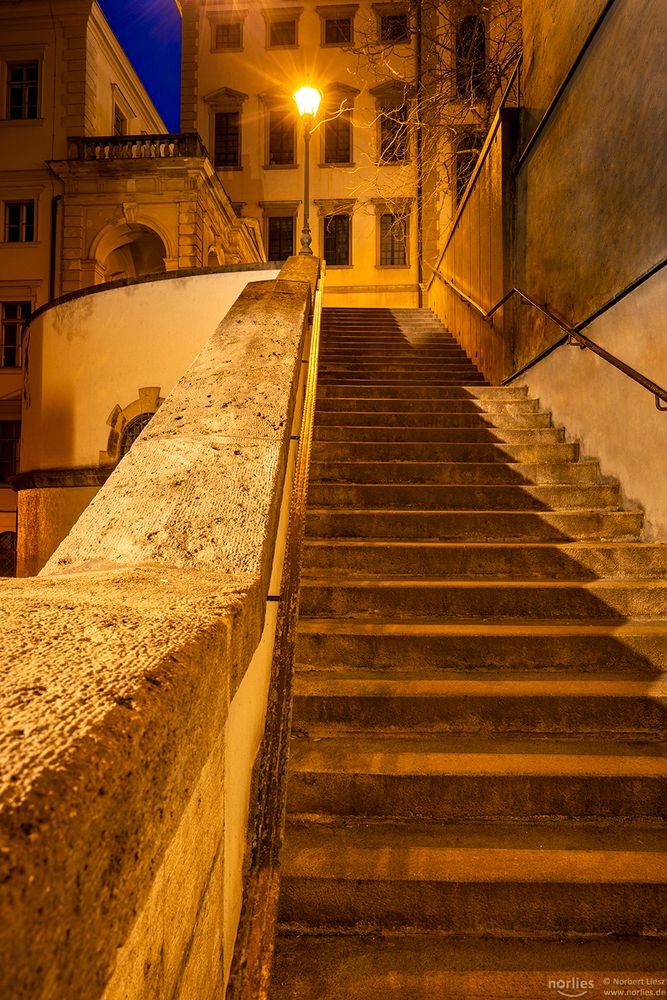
{"x": 150, "y": 33}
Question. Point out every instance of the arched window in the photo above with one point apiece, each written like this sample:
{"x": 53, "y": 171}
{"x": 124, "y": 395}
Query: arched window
{"x": 470, "y": 57}
{"x": 467, "y": 153}
{"x": 131, "y": 432}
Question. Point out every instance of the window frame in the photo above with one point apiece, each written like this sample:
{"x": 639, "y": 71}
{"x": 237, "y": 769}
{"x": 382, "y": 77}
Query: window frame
{"x": 23, "y": 204}
{"x": 326, "y": 221}
{"x": 10, "y": 444}
{"x": 334, "y": 128}
{"x": 25, "y": 86}
{"x": 463, "y": 170}
{"x": 280, "y": 218}
{"x": 472, "y": 86}
{"x": 398, "y": 135}
{"x": 17, "y": 321}
{"x": 227, "y": 164}
{"x": 225, "y": 101}
{"x": 287, "y": 117}
{"x": 397, "y": 208}
{"x": 281, "y": 15}
{"x": 340, "y": 12}
{"x": 217, "y": 19}
{"x": 391, "y": 12}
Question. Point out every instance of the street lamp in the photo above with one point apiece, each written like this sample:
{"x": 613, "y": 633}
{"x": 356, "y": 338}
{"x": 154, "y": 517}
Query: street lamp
{"x": 307, "y": 101}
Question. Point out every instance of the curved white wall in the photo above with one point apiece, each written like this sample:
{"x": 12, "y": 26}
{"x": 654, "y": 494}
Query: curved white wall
{"x": 88, "y": 355}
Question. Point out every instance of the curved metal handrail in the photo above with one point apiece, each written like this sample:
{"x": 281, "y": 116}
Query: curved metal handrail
{"x": 253, "y": 955}
{"x": 574, "y": 337}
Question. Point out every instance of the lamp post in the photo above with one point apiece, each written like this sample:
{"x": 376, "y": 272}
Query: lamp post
{"x": 307, "y": 101}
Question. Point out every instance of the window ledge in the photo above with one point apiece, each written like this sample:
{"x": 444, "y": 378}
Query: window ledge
{"x": 23, "y": 122}
{"x": 280, "y": 48}
{"x": 340, "y": 267}
{"x": 280, "y": 166}
{"x": 6, "y": 244}
{"x": 223, "y": 168}
{"x": 217, "y": 52}
{"x": 393, "y": 267}
{"x": 329, "y": 166}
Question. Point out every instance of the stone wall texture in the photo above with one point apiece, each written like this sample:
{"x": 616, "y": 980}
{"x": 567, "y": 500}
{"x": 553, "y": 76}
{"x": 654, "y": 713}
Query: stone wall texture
{"x": 117, "y": 672}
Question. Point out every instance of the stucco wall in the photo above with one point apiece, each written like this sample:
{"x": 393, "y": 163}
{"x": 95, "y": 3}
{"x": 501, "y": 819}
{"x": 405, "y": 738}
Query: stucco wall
{"x": 133, "y": 688}
{"x": 591, "y": 195}
{"x": 615, "y": 419}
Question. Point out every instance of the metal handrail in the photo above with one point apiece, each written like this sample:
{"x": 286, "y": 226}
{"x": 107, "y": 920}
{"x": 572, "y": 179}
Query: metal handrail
{"x": 574, "y": 337}
{"x": 253, "y": 954}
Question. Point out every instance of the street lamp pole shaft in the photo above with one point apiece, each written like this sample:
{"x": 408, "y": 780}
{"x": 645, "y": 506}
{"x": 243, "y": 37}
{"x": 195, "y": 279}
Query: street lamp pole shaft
{"x": 305, "y": 232}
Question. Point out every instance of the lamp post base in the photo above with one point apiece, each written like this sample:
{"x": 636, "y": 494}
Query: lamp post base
{"x": 306, "y": 240}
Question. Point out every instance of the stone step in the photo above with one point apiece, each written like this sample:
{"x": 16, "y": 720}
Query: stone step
{"x": 424, "y": 352}
{"x": 417, "y": 645}
{"x": 413, "y": 369}
{"x": 405, "y": 420}
{"x": 522, "y": 476}
{"x": 481, "y": 560}
{"x": 442, "y": 966}
{"x": 377, "y": 597}
{"x": 447, "y": 778}
{"x": 450, "y": 435}
{"x": 415, "y": 394}
{"x": 453, "y": 525}
{"x": 483, "y": 880}
{"x": 391, "y": 383}
{"x": 538, "y": 704}
{"x": 461, "y": 496}
{"x": 445, "y": 402}
{"x": 440, "y": 451}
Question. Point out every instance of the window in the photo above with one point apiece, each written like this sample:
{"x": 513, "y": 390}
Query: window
{"x": 338, "y": 139}
{"x": 228, "y": 35}
{"x": 282, "y": 33}
{"x": 19, "y": 221}
{"x": 7, "y": 553}
{"x": 394, "y": 146}
{"x": 13, "y": 316}
{"x": 394, "y": 27}
{"x": 337, "y": 239}
{"x": 392, "y": 240}
{"x": 467, "y": 153}
{"x": 22, "y": 90}
{"x": 337, "y": 30}
{"x": 131, "y": 432}
{"x": 119, "y": 121}
{"x": 10, "y": 434}
{"x": 470, "y": 57}
{"x": 281, "y": 237}
{"x": 227, "y": 145}
{"x": 281, "y": 138}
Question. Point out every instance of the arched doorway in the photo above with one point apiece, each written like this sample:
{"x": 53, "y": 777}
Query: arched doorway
{"x": 138, "y": 250}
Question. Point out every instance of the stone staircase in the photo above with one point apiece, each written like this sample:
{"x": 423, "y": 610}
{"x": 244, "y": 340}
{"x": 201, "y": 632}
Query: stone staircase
{"x": 475, "y": 775}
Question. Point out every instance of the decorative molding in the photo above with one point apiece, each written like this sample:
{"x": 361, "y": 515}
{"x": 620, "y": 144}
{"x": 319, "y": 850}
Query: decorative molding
{"x": 50, "y": 479}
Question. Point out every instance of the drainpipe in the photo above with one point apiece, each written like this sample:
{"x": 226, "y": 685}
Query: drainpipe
{"x": 52, "y": 256}
{"x": 420, "y": 164}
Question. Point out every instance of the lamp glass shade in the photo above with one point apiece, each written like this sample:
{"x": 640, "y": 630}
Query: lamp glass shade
{"x": 307, "y": 100}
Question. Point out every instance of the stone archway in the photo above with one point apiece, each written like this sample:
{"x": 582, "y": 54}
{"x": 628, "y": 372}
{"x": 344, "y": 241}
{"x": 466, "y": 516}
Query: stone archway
{"x": 138, "y": 250}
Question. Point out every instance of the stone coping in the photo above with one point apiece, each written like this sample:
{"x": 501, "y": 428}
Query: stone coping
{"x": 120, "y": 661}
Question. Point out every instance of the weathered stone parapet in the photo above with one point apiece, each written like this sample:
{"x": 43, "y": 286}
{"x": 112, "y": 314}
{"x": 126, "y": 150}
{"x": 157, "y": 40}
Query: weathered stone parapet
{"x": 118, "y": 673}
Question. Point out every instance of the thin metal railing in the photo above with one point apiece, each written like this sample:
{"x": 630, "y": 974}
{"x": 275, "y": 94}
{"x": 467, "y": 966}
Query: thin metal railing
{"x": 574, "y": 337}
{"x": 253, "y": 954}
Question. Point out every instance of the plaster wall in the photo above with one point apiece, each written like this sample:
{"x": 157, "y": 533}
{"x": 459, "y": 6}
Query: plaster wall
{"x": 615, "y": 419}
{"x": 590, "y": 200}
{"x": 89, "y": 354}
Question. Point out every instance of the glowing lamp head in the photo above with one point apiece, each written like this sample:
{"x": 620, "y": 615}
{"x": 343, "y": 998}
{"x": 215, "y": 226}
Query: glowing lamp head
{"x": 307, "y": 101}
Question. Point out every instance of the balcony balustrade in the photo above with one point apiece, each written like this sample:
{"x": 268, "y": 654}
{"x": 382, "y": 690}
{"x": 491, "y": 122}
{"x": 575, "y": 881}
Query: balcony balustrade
{"x": 136, "y": 147}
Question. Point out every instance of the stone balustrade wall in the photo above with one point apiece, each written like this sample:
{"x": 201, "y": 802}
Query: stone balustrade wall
{"x": 133, "y": 682}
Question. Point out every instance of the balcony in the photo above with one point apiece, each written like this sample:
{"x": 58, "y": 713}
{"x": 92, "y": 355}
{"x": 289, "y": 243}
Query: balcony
{"x": 136, "y": 147}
